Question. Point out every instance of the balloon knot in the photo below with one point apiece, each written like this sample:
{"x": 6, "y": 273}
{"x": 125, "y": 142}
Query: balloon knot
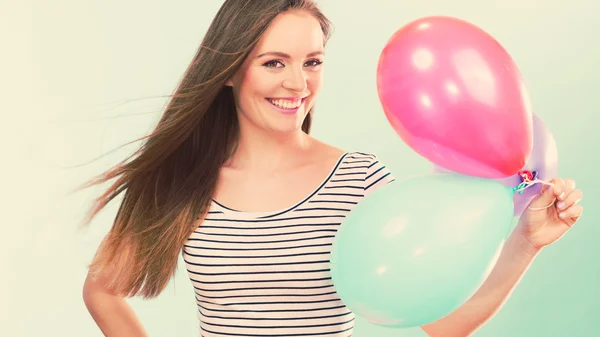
{"x": 528, "y": 178}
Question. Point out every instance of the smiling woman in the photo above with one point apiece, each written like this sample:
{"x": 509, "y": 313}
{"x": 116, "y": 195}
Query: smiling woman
{"x": 237, "y": 131}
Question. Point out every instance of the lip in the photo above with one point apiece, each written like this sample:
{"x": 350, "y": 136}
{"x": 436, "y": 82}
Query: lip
{"x": 286, "y": 111}
{"x": 288, "y": 98}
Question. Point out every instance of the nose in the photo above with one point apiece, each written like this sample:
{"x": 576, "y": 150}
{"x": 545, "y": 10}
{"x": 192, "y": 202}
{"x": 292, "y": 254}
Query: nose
{"x": 295, "y": 80}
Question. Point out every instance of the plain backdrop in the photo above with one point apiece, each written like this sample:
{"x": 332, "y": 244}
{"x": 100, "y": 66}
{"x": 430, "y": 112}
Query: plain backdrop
{"x": 78, "y": 79}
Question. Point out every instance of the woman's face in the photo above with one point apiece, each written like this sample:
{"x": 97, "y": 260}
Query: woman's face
{"x": 279, "y": 81}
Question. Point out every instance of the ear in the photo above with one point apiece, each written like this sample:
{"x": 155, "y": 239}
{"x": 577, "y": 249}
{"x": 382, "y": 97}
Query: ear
{"x": 229, "y": 83}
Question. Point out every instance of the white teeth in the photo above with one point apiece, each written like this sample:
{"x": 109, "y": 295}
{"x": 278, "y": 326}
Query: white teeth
{"x": 286, "y": 104}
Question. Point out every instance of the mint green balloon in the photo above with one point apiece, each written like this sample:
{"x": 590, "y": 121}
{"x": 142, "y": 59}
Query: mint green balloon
{"x": 415, "y": 250}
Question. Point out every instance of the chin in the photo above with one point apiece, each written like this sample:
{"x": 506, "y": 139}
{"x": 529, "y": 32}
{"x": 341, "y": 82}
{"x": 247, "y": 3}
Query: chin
{"x": 287, "y": 128}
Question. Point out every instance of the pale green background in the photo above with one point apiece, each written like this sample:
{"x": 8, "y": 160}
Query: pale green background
{"x": 67, "y": 66}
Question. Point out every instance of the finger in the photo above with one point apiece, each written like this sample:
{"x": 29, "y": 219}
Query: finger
{"x": 559, "y": 188}
{"x": 569, "y": 186}
{"x": 547, "y": 195}
{"x": 571, "y": 199}
{"x": 572, "y": 214}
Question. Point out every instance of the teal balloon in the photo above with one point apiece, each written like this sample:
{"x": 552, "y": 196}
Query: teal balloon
{"x": 413, "y": 251}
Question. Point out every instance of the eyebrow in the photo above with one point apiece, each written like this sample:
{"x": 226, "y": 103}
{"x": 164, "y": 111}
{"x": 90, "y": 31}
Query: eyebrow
{"x": 286, "y": 56}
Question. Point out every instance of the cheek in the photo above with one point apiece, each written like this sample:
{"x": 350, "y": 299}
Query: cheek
{"x": 245, "y": 87}
{"x": 257, "y": 84}
{"x": 315, "y": 81}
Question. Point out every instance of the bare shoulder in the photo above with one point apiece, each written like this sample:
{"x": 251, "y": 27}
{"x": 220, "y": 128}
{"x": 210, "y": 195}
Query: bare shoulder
{"x": 326, "y": 153}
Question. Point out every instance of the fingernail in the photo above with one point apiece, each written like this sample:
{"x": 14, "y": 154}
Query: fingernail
{"x": 560, "y": 205}
{"x": 562, "y": 195}
{"x": 562, "y": 215}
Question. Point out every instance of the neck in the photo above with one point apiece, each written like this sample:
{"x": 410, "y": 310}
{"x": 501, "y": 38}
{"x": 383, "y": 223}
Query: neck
{"x": 269, "y": 151}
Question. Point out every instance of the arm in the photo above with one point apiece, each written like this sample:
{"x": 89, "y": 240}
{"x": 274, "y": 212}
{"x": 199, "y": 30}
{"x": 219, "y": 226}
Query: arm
{"x": 113, "y": 315}
{"x": 514, "y": 260}
{"x": 111, "y": 312}
{"x": 548, "y": 218}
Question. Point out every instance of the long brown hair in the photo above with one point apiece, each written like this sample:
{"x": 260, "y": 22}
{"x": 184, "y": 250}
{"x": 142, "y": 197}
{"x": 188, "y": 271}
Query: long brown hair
{"x": 168, "y": 183}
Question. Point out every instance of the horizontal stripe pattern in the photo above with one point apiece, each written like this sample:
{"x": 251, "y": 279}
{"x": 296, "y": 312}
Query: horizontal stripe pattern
{"x": 259, "y": 274}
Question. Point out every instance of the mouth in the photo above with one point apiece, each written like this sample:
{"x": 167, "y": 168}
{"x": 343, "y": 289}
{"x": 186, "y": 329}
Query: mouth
{"x": 286, "y": 105}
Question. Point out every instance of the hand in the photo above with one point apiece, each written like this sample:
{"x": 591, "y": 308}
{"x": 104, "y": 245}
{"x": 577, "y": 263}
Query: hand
{"x": 551, "y": 214}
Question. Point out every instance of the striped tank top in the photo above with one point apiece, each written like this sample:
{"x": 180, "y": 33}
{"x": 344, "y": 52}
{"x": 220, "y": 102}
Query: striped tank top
{"x": 267, "y": 274}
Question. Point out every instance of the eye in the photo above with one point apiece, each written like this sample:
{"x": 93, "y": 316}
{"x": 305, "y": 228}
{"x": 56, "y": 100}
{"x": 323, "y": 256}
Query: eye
{"x": 313, "y": 63}
{"x": 273, "y": 64}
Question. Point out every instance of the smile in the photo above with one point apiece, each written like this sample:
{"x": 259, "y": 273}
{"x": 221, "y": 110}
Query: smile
{"x": 286, "y": 105}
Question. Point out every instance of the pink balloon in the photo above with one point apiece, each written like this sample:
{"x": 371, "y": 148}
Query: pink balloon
{"x": 456, "y": 97}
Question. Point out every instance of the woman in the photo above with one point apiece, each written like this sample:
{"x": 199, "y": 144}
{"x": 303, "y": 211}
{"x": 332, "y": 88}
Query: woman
{"x": 232, "y": 180}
